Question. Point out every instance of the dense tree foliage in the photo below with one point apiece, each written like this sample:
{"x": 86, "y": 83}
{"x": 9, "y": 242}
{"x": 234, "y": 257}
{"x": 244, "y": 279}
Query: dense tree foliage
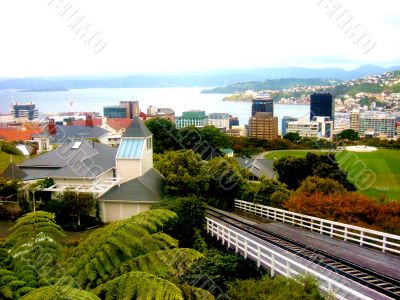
{"x": 190, "y": 217}
{"x": 59, "y": 293}
{"x": 164, "y": 134}
{"x": 139, "y": 285}
{"x": 292, "y": 170}
{"x": 34, "y": 249}
{"x": 268, "y": 288}
{"x": 267, "y": 192}
{"x": 184, "y": 173}
{"x": 226, "y": 182}
{"x": 217, "y": 269}
{"x": 107, "y": 248}
{"x": 348, "y": 134}
{"x": 347, "y": 207}
{"x": 292, "y": 136}
{"x": 130, "y": 259}
{"x": 77, "y": 204}
{"x": 205, "y": 141}
{"x": 314, "y": 184}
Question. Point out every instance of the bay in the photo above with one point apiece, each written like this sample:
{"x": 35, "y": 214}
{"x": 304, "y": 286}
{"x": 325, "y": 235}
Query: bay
{"x": 178, "y": 98}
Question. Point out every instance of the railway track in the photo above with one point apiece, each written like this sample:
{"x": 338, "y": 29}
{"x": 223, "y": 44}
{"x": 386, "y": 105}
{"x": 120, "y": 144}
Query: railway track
{"x": 376, "y": 281}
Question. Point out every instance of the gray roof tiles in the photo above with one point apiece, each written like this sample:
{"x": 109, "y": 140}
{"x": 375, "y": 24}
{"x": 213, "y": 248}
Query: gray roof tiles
{"x": 146, "y": 188}
{"x": 67, "y": 133}
{"x": 137, "y": 129}
{"x": 88, "y": 161}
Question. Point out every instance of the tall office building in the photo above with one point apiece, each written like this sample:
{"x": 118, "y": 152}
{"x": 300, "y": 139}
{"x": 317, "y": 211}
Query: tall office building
{"x": 125, "y": 109}
{"x": 25, "y": 111}
{"x": 262, "y": 104}
{"x": 377, "y": 125}
{"x": 355, "y": 120}
{"x": 132, "y": 108}
{"x": 322, "y": 105}
{"x": 285, "y": 122}
{"x": 263, "y": 126}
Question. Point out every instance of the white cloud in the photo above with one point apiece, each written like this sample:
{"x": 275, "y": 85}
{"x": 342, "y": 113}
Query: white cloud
{"x": 177, "y": 35}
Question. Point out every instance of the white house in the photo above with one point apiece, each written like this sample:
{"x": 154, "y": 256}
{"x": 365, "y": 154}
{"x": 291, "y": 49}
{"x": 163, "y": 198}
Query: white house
{"x": 123, "y": 179}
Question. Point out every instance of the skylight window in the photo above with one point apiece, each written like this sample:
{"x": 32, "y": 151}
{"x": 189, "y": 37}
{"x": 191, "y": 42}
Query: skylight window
{"x": 76, "y": 145}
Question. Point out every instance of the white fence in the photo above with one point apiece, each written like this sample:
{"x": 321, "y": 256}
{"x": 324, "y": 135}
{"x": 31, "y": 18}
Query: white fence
{"x": 385, "y": 242}
{"x": 278, "y": 263}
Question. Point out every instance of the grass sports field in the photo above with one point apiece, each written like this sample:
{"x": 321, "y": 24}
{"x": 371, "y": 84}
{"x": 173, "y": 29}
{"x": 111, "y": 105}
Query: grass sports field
{"x": 374, "y": 173}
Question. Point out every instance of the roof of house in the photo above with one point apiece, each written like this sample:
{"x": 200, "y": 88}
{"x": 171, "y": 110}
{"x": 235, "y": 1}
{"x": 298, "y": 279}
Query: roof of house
{"x": 137, "y": 129}
{"x": 81, "y": 159}
{"x": 258, "y": 167}
{"x": 15, "y": 135}
{"x": 13, "y": 172}
{"x": 71, "y": 132}
{"x": 118, "y": 124}
{"x": 95, "y": 121}
{"x": 146, "y": 188}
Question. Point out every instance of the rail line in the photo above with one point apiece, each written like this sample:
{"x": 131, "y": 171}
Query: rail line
{"x": 376, "y": 281}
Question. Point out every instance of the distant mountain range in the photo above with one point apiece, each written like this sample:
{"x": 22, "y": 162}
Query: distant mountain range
{"x": 205, "y": 79}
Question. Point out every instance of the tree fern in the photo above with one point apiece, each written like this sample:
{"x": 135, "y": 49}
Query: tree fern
{"x": 164, "y": 264}
{"x": 194, "y": 293}
{"x": 59, "y": 293}
{"x": 10, "y": 286}
{"x": 30, "y": 225}
{"x": 34, "y": 249}
{"x": 100, "y": 254}
{"x": 139, "y": 285}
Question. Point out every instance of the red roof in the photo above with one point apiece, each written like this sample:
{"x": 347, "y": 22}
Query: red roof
{"x": 96, "y": 122}
{"x": 15, "y": 135}
{"x": 118, "y": 124}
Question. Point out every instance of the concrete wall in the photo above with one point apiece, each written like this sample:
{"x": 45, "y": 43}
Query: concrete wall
{"x": 116, "y": 211}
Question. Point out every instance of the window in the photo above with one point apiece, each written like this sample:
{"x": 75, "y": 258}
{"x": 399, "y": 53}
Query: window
{"x": 149, "y": 144}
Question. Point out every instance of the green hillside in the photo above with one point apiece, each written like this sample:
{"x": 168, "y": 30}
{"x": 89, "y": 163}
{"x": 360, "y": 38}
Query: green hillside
{"x": 270, "y": 84}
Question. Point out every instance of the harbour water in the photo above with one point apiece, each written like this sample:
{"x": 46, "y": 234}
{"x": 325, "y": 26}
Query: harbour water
{"x": 180, "y": 99}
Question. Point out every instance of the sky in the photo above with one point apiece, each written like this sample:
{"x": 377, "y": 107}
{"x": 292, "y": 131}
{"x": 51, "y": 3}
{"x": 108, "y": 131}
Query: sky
{"x": 39, "y": 38}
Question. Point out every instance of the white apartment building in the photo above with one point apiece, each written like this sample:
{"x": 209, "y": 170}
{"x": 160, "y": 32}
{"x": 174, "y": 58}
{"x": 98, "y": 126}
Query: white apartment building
{"x": 319, "y": 127}
{"x": 377, "y": 125}
{"x": 219, "y": 120}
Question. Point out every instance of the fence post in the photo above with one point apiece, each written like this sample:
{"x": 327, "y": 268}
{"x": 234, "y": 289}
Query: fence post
{"x": 361, "y": 237}
{"x": 258, "y": 256}
{"x": 384, "y": 244}
{"x": 237, "y": 243}
{"x": 245, "y": 248}
{"x": 272, "y": 265}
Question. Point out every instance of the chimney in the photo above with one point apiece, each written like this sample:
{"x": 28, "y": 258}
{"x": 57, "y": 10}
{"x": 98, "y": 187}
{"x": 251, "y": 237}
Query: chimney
{"x": 89, "y": 120}
{"x": 52, "y": 127}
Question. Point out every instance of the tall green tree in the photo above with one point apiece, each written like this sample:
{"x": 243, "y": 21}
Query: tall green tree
{"x": 292, "y": 136}
{"x": 268, "y": 192}
{"x": 205, "y": 141}
{"x": 164, "y": 134}
{"x": 226, "y": 182}
{"x": 78, "y": 204}
{"x": 292, "y": 171}
{"x": 184, "y": 173}
{"x": 315, "y": 184}
{"x": 348, "y": 134}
